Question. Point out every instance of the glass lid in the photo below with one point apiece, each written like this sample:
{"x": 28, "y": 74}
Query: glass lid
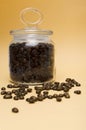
{"x": 31, "y": 22}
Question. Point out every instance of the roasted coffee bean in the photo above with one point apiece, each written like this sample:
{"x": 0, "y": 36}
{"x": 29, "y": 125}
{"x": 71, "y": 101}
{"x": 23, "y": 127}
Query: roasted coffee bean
{"x": 23, "y": 86}
{"x": 78, "y": 84}
{"x": 69, "y": 85}
{"x": 66, "y": 89}
{"x": 55, "y": 95}
{"x": 29, "y": 90}
{"x": 15, "y": 110}
{"x": 38, "y": 91}
{"x": 75, "y": 82}
{"x": 9, "y": 86}
{"x": 16, "y": 98}
{"x": 8, "y": 92}
{"x": 77, "y": 91}
{"x": 25, "y": 92}
{"x": 7, "y": 96}
{"x": 22, "y": 90}
{"x": 3, "y": 92}
{"x": 40, "y": 97}
{"x": 38, "y": 88}
{"x": 15, "y": 86}
{"x": 66, "y": 95}
{"x": 59, "y": 88}
{"x": 3, "y": 88}
{"x": 60, "y": 95}
{"x": 32, "y": 99}
{"x": 56, "y": 83}
{"x": 21, "y": 97}
{"x": 14, "y": 90}
{"x": 58, "y": 99}
{"x": 27, "y": 99}
{"x": 45, "y": 93}
{"x": 50, "y": 96}
{"x": 68, "y": 80}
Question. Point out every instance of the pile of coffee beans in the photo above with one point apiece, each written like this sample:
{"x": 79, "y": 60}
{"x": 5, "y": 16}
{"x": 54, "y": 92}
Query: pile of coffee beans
{"x": 19, "y": 92}
{"x": 33, "y": 64}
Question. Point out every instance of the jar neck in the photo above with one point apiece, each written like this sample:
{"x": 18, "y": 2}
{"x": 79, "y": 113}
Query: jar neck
{"x": 31, "y": 37}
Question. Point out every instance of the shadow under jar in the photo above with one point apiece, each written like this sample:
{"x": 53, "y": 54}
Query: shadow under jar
{"x": 31, "y": 56}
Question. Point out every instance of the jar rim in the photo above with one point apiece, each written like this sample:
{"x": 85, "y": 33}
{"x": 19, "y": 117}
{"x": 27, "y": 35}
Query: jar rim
{"x": 31, "y": 31}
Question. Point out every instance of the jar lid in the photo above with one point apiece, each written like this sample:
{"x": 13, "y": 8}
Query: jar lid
{"x": 31, "y": 26}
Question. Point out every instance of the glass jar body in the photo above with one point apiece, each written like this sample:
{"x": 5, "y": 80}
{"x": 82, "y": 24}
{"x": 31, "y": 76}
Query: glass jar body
{"x": 31, "y": 59}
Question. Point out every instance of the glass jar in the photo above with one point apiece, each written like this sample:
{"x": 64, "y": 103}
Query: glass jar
{"x": 31, "y": 55}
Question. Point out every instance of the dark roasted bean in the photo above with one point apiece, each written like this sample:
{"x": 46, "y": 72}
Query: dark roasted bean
{"x": 14, "y": 90}
{"x": 50, "y": 97}
{"x": 66, "y": 89}
{"x": 68, "y": 80}
{"x": 66, "y": 95}
{"x": 58, "y": 99}
{"x": 32, "y": 99}
{"x": 27, "y": 99}
{"x": 3, "y": 88}
{"x": 45, "y": 93}
{"x": 8, "y": 92}
{"x": 21, "y": 97}
{"x": 15, "y": 110}
{"x": 16, "y": 98}
{"x": 60, "y": 95}
{"x": 78, "y": 84}
{"x": 7, "y": 96}
{"x": 40, "y": 98}
{"x": 38, "y": 91}
{"x": 3, "y": 92}
{"x": 77, "y": 91}
{"x": 75, "y": 82}
{"x": 29, "y": 90}
{"x": 15, "y": 86}
{"x": 9, "y": 86}
{"x": 55, "y": 95}
{"x": 56, "y": 83}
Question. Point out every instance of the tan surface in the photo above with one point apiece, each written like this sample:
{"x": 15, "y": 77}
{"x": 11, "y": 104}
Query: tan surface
{"x": 67, "y": 18}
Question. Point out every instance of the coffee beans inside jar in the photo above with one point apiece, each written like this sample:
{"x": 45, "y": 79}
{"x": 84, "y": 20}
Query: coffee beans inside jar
{"x": 31, "y": 64}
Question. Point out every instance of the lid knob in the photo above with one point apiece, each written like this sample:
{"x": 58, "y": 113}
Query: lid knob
{"x": 35, "y": 12}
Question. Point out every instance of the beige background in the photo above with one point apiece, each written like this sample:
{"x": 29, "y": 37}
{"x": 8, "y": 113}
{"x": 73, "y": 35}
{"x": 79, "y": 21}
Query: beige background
{"x": 67, "y": 18}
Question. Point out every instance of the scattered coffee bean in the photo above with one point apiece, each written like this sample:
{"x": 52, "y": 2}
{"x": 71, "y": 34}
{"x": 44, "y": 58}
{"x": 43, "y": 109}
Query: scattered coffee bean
{"x": 50, "y": 96}
{"x": 8, "y": 92}
{"x": 16, "y": 98}
{"x": 9, "y": 86}
{"x": 61, "y": 95}
{"x": 32, "y": 99}
{"x": 55, "y": 95}
{"x": 77, "y": 91}
{"x": 21, "y": 97}
{"x": 7, "y": 96}
{"x": 27, "y": 99}
{"x": 66, "y": 95}
{"x": 3, "y": 92}
{"x": 66, "y": 89}
{"x": 45, "y": 93}
{"x": 41, "y": 97}
{"x": 14, "y": 90}
{"x": 15, "y": 110}
{"x": 38, "y": 91}
{"x": 68, "y": 80}
{"x": 58, "y": 99}
{"x": 29, "y": 90}
{"x": 3, "y": 88}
